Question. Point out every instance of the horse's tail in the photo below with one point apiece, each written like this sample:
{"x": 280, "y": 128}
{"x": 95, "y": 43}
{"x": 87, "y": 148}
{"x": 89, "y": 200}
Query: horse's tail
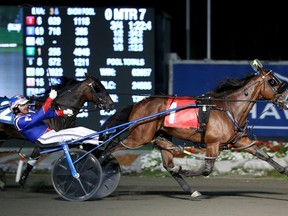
{"x": 118, "y": 118}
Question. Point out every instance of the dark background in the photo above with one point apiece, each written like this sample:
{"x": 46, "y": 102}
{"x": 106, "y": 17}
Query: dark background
{"x": 240, "y": 30}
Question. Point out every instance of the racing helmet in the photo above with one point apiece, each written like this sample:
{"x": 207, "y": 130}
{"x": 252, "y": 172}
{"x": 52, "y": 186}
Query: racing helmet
{"x": 17, "y": 100}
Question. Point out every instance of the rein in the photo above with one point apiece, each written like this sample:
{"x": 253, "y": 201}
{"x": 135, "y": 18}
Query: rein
{"x": 209, "y": 98}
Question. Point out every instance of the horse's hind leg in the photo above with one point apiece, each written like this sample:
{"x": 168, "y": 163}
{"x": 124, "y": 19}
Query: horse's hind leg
{"x": 111, "y": 147}
{"x": 205, "y": 171}
{"x": 167, "y": 159}
{"x": 211, "y": 154}
{"x": 30, "y": 164}
{"x": 2, "y": 179}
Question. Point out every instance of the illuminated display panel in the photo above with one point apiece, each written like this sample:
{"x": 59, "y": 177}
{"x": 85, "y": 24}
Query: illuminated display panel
{"x": 114, "y": 44}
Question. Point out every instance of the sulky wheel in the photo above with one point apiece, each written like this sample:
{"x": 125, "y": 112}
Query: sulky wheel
{"x": 89, "y": 181}
{"x": 110, "y": 179}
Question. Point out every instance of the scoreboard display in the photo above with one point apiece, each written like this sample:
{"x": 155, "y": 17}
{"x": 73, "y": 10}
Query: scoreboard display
{"x": 114, "y": 44}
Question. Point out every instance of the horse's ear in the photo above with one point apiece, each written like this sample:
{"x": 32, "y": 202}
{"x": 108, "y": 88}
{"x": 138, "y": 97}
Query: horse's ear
{"x": 87, "y": 75}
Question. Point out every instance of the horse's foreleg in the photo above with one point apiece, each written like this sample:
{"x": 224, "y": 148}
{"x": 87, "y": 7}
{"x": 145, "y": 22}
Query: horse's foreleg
{"x": 256, "y": 151}
{"x": 264, "y": 156}
{"x": 30, "y": 164}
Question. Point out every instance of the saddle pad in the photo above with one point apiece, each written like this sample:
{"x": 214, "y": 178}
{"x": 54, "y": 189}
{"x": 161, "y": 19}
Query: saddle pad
{"x": 184, "y": 118}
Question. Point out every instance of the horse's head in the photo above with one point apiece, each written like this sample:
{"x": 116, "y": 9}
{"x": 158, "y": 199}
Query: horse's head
{"x": 98, "y": 94}
{"x": 272, "y": 88}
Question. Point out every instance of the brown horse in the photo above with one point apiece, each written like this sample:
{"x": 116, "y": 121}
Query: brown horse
{"x": 222, "y": 118}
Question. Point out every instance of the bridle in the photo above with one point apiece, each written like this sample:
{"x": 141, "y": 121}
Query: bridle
{"x": 272, "y": 82}
{"x": 101, "y": 101}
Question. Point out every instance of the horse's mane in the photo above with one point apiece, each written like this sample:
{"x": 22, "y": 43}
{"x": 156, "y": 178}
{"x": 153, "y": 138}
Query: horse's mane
{"x": 64, "y": 83}
{"x": 229, "y": 84}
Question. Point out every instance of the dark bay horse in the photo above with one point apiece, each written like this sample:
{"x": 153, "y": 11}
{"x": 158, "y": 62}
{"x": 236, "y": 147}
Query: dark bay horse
{"x": 72, "y": 94}
{"x": 222, "y": 118}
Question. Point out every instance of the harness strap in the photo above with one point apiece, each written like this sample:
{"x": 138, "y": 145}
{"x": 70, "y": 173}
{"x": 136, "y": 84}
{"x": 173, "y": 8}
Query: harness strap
{"x": 237, "y": 136}
{"x": 203, "y": 117}
{"x": 236, "y": 124}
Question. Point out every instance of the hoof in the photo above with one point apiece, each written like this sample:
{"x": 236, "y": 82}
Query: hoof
{"x": 196, "y": 194}
{"x": 22, "y": 182}
{"x": 175, "y": 169}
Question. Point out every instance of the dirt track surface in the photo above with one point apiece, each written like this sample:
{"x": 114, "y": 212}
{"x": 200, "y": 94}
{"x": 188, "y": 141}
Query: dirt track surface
{"x": 143, "y": 196}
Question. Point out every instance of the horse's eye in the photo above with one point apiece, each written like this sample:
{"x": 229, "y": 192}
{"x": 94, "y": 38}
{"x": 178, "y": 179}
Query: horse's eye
{"x": 272, "y": 82}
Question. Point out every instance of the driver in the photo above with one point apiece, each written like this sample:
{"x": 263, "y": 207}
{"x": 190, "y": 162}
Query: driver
{"x": 31, "y": 124}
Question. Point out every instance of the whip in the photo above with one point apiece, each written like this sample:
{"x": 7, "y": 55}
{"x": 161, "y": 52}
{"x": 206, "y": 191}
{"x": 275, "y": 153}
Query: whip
{"x": 49, "y": 78}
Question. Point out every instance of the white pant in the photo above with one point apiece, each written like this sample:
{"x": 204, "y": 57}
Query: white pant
{"x": 69, "y": 134}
